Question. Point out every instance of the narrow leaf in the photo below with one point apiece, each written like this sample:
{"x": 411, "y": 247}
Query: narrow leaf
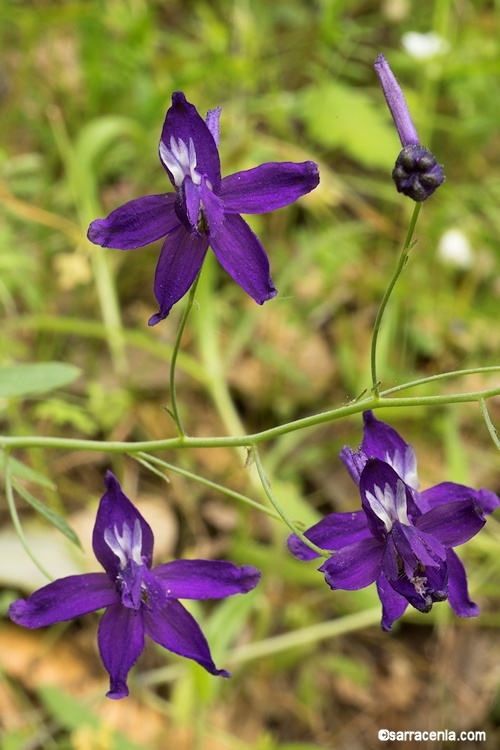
{"x": 50, "y": 515}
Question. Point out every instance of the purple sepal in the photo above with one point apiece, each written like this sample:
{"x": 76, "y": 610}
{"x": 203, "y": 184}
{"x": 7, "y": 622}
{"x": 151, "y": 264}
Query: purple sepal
{"x": 333, "y": 532}
{"x": 458, "y": 594}
{"x": 206, "y": 579}
{"x": 180, "y": 260}
{"x": 175, "y": 629}
{"x": 453, "y": 523}
{"x": 135, "y": 224}
{"x": 380, "y": 440}
{"x": 212, "y": 119}
{"x": 355, "y": 566}
{"x": 117, "y": 512}
{"x": 396, "y": 102}
{"x": 393, "y": 604}
{"x": 240, "y": 253}
{"x": 268, "y": 187}
{"x": 63, "y": 600}
{"x": 121, "y": 641}
{"x": 447, "y": 492}
{"x": 183, "y": 122}
{"x": 354, "y": 461}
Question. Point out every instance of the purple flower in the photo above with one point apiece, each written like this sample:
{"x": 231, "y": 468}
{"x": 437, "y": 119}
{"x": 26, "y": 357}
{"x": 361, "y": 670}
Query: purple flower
{"x": 204, "y": 210}
{"x": 138, "y": 600}
{"x": 402, "y": 539}
{"x": 416, "y": 174}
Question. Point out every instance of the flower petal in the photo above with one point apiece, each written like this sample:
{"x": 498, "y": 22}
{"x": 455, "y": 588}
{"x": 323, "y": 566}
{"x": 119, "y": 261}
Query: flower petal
{"x": 192, "y": 199}
{"x": 180, "y": 260}
{"x": 355, "y": 566}
{"x": 121, "y": 642}
{"x": 240, "y": 253}
{"x": 64, "y": 599}
{"x": 184, "y": 123}
{"x": 393, "y": 604}
{"x": 333, "y": 532}
{"x": 416, "y": 546}
{"x": 458, "y": 595}
{"x": 268, "y": 187}
{"x": 116, "y": 511}
{"x": 206, "y": 579}
{"x": 420, "y": 586}
{"x": 380, "y": 440}
{"x": 452, "y": 523}
{"x": 175, "y": 629}
{"x": 212, "y": 120}
{"x": 213, "y": 208}
{"x": 354, "y": 461}
{"x": 384, "y": 496}
{"x": 448, "y": 492}
{"x": 136, "y": 223}
{"x": 396, "y": 102}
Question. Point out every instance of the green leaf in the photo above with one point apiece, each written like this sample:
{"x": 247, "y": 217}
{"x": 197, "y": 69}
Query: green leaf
{"x": 50, "y": 515}
{"x": 21, "y": 471}
{"x": 338, "y": 116}
{"x": 35, "y": 377}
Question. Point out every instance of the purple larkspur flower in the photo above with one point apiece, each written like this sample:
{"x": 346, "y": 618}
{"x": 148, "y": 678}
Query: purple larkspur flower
{"x": 204, "y": 210}
{"x": 402, "y": 539}
{"x": 139, "y": 600}
{"x": 416, "y": 173}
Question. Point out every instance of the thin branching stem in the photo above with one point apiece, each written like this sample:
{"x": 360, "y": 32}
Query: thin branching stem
{"x": 489, "y": 424}
{"x": 385, "y": 299}
{"x": 175, "y": 413}
{"x": 152, "y": 461}
{"x": 293, "y": 528}
{"x": 247, "y": 441}
{"x": 11, "y": 503}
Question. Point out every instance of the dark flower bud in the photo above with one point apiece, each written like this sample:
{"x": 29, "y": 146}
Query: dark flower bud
{"x": 416, "y": 173}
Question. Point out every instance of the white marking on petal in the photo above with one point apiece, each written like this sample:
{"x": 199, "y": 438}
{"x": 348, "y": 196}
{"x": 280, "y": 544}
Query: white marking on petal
{"x": 400, "y": 504}
{"x": 405, "y": 465}
{"x": 128, "y": 545}
{"x": 180, "y": 160}
{"x": 387, "y": 507}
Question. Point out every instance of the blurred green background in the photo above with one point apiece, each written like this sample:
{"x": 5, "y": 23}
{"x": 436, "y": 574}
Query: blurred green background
{"x": 84, "y": 87}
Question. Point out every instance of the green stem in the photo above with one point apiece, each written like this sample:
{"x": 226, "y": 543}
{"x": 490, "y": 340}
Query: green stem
{"x": 441, "y": 376}
{"x": 489, "y": 424}
{"x": 385, "y": 299}
{"x": 175, "y": 351}
{"x": 147, "y": 460}
{"x": 246, "y": 441}
{"x": 9, "y": 494}
{"x": 293, "y": 528}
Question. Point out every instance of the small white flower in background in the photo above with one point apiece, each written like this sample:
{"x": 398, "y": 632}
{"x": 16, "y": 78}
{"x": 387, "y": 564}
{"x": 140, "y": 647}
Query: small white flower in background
{"x": 455, "y": 249}
{"x": 424, "y": 46}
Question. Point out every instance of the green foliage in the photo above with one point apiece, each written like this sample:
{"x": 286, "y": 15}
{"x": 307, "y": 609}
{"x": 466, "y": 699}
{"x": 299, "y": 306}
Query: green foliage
{"x": 34, "y": 378}
{"x": 84, "y": 87}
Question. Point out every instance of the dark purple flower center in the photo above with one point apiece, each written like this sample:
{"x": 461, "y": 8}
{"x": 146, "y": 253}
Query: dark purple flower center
{"x": 127, "y": 547}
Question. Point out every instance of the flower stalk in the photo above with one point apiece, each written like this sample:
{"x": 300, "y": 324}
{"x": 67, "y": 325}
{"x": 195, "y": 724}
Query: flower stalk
{"x": 403, "y": 258}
